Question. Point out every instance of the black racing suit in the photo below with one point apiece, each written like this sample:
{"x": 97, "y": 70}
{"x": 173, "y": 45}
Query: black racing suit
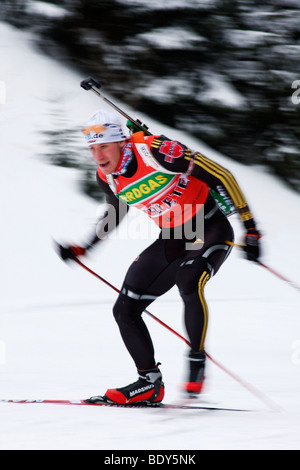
{"x": 169, "y": 260}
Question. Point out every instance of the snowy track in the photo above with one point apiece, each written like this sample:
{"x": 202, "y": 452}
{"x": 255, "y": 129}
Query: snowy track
{"x": 57, "y": 335}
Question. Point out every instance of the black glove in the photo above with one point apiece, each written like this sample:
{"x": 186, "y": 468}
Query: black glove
{"x": 252, "y": 244}
{"x": 70, "y": 252}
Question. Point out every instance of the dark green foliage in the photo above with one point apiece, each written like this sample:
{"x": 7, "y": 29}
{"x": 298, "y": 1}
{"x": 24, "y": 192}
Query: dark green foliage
{"x": 221, "y": 70}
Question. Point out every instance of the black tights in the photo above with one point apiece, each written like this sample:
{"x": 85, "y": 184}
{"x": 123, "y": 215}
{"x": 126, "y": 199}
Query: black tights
{"x": 162, "y": 265}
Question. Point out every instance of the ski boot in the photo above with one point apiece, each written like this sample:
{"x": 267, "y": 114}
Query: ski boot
{"x": 147, "y": 390}
{"x": 194, "y": 385}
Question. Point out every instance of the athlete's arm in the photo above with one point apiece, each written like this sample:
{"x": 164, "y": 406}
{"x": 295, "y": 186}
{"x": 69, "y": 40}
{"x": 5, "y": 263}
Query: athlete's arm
{"x": 216, "y": 176}
{"x": 114, "y": 213}
{"x": 174, "y": 156}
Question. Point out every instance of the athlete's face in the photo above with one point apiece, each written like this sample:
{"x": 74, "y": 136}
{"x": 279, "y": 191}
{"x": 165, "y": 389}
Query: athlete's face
{"x": 107, "y": 156}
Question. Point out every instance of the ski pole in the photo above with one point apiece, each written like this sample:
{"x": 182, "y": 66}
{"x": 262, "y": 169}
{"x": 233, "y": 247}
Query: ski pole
{"x": 271, "y": 270}
{"x": 266, "y": 400}
{"x": 280, "y": 276}
{"x": 92, "y": 84}
{"x": 117, "y": 290}
{"x": 74, "y": 258}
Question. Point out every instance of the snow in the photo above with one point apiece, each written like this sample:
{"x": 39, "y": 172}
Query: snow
{"x": 46, "y": 9}
{"x": 172, "y": 38}
{"x": 58, "y": 339}
{"x": 157, "y": 4}
{"x": 244, "y": 38}
{"x": 218, "y": 89}
{"x": 161, "y": 89}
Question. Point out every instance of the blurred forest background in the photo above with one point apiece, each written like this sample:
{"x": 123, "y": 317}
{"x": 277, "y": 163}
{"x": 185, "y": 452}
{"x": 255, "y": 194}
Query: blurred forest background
{"x": 226, "y": 71}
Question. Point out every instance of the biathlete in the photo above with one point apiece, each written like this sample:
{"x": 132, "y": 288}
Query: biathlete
{"x": 175, "y": 187}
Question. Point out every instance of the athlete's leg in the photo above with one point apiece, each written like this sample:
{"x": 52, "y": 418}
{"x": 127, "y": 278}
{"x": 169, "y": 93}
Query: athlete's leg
{"x": 150, "y": 275}
{"x": 193, "y": 274}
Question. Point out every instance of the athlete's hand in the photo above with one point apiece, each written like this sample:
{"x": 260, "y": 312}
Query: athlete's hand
{"x": 70, "y": 252}
{"x": 252, "y": 244}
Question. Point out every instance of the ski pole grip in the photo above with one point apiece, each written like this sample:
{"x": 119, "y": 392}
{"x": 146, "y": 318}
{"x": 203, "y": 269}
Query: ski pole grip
{"x": 88, "y": 83}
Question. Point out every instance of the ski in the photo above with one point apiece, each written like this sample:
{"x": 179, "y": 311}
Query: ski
{"x": 116, "y": 405}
